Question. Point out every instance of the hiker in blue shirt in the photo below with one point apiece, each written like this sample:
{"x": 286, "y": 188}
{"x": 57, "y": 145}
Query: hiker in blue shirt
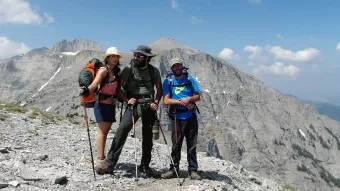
{"x": 181, "y": 92}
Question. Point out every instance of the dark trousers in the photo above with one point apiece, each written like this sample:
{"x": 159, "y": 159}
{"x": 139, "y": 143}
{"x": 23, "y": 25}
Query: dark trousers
{"x": 188, "y": 129}
{"x": 124, "y": 128}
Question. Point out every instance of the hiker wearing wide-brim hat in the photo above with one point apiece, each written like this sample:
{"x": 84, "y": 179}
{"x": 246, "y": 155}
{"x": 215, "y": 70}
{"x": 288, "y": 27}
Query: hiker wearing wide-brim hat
{"x": 106, "y": 82}
{"x": 144, "y": 50}
{"x": 138, "y": 80}
{"x": 181, "y": 92}
{"x": 142, "y": 56}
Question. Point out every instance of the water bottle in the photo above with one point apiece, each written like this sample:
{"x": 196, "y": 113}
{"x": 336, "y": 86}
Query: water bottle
{"x": 155, "y": 129}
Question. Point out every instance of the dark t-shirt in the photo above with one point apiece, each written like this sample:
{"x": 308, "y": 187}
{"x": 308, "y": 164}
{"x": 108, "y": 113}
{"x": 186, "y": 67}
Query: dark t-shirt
{"x": 140, "y": 82}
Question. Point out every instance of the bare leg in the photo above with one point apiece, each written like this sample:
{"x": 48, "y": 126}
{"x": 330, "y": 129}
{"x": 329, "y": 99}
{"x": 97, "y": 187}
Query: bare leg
{"x": 103, "y": 130}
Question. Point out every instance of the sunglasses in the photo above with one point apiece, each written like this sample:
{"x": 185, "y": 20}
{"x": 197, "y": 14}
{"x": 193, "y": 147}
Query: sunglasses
{"x": 138, "y": 55}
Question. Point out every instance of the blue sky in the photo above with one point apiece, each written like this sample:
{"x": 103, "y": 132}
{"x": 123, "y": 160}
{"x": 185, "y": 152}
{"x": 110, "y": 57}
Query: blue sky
{"x": 291, "y": 45}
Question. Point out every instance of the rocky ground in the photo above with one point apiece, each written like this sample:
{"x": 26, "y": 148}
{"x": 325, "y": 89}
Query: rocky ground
{"x": 42, "y": 151}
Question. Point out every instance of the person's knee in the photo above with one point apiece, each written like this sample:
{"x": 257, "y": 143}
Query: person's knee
{"x": 126, "y": 124}
{"x": 104, "y": 134}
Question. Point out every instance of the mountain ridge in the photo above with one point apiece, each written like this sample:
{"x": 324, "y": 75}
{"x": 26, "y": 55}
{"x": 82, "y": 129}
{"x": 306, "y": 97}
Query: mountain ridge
{"x": 328, "y": 109}
{"x": 75, "y": 45}
{"x": 241, "y": 120}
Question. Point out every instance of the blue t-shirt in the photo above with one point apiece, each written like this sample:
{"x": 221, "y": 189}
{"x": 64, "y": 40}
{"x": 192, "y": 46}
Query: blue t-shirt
{"x": 181, "y": 92}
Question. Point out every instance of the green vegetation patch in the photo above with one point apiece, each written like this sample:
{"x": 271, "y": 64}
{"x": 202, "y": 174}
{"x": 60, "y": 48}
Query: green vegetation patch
{"x": 335, "y": 137}
{"x": 289, "y": 187}
{"x": 34, "y": 113}
{"x": 323, "y": 143}
{"x": 328, "y": 177}
{"x": 12, "y": 108}
{"x": 302, "y": 152}
{"x": 303, "y": 168}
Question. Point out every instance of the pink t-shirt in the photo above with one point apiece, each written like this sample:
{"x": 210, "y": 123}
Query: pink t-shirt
{"x": 109, "y": 88}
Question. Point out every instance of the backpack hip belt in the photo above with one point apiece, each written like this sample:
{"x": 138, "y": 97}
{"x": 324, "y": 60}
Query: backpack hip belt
{"x": 102, "y": 96}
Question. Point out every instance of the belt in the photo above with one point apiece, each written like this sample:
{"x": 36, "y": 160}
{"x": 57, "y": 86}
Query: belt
{"x": 101, "y": 96}
{"x": 141, "y": 96}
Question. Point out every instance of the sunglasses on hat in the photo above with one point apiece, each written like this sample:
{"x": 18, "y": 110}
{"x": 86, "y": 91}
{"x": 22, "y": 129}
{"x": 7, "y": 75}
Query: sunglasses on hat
{"x": 138, "y": 55}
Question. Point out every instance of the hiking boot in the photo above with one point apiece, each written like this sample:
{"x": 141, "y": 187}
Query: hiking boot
{"x": 169, "y": 174}
{"x": 147, "y": 171}
{"x": 103, "y": 167}
{"x": 194, "y": 176}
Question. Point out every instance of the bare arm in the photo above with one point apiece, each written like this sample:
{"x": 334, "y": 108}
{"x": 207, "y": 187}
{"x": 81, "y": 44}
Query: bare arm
{"x": 83, "y": 91}
{"x": 169, "y": 101}
{"x": 195, "y": 98}
{"x": 101, "y": 73}
{"x": 124, "y": 77}
{"x": 121, "y": 95}
{"x": 159, "y": 92}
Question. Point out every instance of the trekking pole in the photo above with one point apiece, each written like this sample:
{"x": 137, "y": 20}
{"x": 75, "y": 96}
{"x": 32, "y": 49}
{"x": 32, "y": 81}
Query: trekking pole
{"x": 172, "y": 162}
{"x": 175, "y": 124}
{"x": 121, "y": 112}
{"x": 88, "y": 134}
{"x": 134, "y": 136}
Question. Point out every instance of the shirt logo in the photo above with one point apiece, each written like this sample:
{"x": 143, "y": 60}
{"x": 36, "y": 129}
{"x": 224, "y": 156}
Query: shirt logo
{"x": 178, "y": 90}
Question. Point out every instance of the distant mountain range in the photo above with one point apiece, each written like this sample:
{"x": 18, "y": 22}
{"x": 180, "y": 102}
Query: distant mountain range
{"x": 330, "y": 110}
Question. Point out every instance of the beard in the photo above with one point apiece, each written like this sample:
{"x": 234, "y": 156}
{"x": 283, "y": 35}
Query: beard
{"x": 140, "y": 64}
{"x": 177, "y": 73}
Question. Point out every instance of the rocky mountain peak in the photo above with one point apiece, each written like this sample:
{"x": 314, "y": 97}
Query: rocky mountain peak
{"x": 168, "y": 43}
{"x": 75, "y": 45}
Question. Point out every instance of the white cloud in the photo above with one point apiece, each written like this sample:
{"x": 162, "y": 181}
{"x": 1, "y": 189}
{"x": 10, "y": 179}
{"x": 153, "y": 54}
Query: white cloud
{"x": 338, "y": 47}
{"x": 254, "y": 50}
{"x": 228, "y": 54}
{"x": 196, "y": 20}
{"x": 20, "y": 11}
{"x": 174, "y": 4}
{"x": 277, "y": 69}
{"x": 49, "y": 18}
{"x": 299, "y": 56}
{"x": 255, "y": 1}
{"x": 11, "y": 48}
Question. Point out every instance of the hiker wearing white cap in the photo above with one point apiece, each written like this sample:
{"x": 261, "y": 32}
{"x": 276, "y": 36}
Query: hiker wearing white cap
{"x": 107, "y": 88}
{"x": 181, "y": 92}
{"x": 138, "y": 80}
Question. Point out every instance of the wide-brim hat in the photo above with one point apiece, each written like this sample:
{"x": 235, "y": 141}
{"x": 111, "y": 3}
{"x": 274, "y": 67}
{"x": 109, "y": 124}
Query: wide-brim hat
{"x": 112, "y": 51}
{"x": 144, "y": 50}
{"x": 175, "y": 61}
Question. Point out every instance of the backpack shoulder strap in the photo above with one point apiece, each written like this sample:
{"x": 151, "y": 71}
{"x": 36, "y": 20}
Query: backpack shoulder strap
{"x": 171, "y": 83}
{"x": 192, "y": 91}
{"x": 152, "y": 73}
{"x": 106, "y": 78}
{"x": 130, "y": 74}
{"x": 190, "y": 83}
